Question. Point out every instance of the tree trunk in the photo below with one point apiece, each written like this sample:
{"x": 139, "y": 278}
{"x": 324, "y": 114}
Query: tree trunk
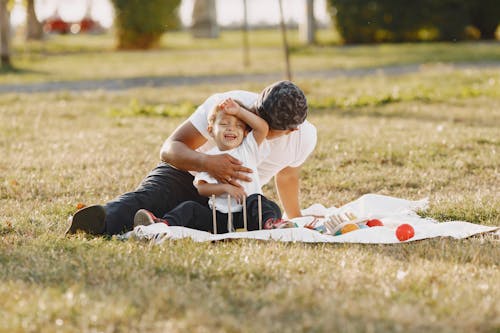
{"x": 246, "y": 48}
{"x": 34, "y": 29}
{"x": 308, "y": 28}
{"x": 204, "y": 19}
{"x": 4, "y": 35}
{"x": 286, "y": 49}
{"x": 488, "y": 34}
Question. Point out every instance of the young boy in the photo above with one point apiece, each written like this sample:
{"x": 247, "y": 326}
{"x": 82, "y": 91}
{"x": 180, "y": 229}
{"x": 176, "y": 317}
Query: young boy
{"x": 228, "y": 125}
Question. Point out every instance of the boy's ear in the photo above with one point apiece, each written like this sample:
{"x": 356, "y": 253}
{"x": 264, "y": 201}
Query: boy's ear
{"x": 210, "y": 130}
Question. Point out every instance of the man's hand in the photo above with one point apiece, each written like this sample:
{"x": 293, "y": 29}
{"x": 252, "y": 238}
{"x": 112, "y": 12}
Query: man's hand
{"x": 227, "y": 169}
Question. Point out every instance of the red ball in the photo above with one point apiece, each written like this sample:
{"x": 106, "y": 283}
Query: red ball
{"x": 405, "y": 232}
{"x": 374, "y": 223}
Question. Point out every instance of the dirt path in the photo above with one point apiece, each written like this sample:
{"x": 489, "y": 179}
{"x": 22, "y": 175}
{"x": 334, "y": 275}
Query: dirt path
{"x": 165, "y": 81}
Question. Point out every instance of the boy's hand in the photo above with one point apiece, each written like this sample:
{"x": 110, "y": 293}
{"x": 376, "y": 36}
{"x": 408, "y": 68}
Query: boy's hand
{"x": 230, "y": 107}
{"x": 237, "y": 193}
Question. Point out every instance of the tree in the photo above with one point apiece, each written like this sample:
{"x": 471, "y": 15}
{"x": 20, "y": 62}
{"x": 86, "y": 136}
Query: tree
{"x": 34, "y": 29}
{"x": 140, "y": 24}
{"x": 4, "y": 35}
{"x": 205, "y": 19}
{"x": 308, "y": 28}
{"x": 286, "y": 49}
{"x": 372, "y": 21}
{"x": 246, "y": 47}
{"x": 485, "y": 15}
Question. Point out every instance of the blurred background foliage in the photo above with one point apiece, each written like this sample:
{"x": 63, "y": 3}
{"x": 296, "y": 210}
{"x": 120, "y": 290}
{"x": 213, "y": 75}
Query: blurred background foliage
{"x": 140, "y": 24}
{"x": 374, "y": 21}
{"x": 136, "y": 24}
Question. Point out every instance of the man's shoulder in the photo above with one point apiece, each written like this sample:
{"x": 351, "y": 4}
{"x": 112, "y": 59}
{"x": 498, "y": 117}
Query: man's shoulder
{"x": 304, "y": 138}
{"x": 307, "y": 126}
{"x": 306, "y": 132}
{"x": 306, "y": 129}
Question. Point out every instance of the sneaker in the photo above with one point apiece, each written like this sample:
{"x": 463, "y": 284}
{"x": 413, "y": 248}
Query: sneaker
{"x": 145, "y": 217}
{"x": 272, "y": 223}
{"x": 89, "y": 220}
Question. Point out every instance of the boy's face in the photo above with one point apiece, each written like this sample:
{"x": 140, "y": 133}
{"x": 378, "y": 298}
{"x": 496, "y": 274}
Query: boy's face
{"x": 227, "y": 131}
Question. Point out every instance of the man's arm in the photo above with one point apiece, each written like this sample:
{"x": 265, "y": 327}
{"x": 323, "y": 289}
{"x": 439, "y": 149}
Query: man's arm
{"x": 179, "y": 150}
{"x": 287, "y": 184}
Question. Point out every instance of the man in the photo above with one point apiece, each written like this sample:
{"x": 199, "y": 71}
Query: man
{"x": 291, "y": 139}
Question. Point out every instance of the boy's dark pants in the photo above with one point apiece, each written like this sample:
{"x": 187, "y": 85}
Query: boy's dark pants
{"x": 198, "y": 216}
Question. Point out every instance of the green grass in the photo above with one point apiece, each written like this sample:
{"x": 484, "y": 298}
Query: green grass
{"x": 63, "y": 58}
{"x": 432, "y": 134}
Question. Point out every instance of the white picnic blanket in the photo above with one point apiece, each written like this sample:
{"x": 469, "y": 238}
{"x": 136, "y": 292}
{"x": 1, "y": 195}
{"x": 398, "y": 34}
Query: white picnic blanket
{"x": 391, "y": 211}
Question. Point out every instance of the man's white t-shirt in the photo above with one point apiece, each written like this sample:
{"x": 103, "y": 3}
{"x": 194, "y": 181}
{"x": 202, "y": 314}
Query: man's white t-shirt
{"x": 285, "y": 151}
{"x": 251, "y": 154}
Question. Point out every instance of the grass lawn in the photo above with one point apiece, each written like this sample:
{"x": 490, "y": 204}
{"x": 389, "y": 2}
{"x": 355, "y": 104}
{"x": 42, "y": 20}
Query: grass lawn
{"x": 62, "y": 58}
{"x": 434, "y": 134}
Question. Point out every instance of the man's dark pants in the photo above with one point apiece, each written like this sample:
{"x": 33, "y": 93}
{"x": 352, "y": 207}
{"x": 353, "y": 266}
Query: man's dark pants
{"x": 161, "y": 191}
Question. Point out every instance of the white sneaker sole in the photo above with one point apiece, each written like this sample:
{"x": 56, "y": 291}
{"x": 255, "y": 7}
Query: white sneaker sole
{"x": 142, "y": 217}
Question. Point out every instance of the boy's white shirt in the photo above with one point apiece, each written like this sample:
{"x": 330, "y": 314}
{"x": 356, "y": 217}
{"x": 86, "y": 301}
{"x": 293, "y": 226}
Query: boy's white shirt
{"x": 250, "y": 153}
{"x": 289, "y": 150}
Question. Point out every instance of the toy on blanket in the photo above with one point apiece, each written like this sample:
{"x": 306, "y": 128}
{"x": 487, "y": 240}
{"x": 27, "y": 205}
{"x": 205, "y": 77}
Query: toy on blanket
{"x": 348, "y": 228}
{"x": 336, "y": 224}
{"x": 374, "y": 223}
{"x": 230, "y": 225}
{"x": 405, "y": 232}
{"x": 340, "y": 224}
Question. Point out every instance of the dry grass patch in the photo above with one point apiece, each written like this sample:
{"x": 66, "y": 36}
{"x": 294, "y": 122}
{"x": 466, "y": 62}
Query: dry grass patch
{"x": 62, "y": 149}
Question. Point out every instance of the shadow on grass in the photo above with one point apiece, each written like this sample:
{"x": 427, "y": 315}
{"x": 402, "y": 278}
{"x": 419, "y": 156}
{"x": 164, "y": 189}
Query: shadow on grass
{"x": 374, "y": 112}
{"x": 480, "y": 250}
{"x": 63, "y": 261}
{"x": 20, "y": 71}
